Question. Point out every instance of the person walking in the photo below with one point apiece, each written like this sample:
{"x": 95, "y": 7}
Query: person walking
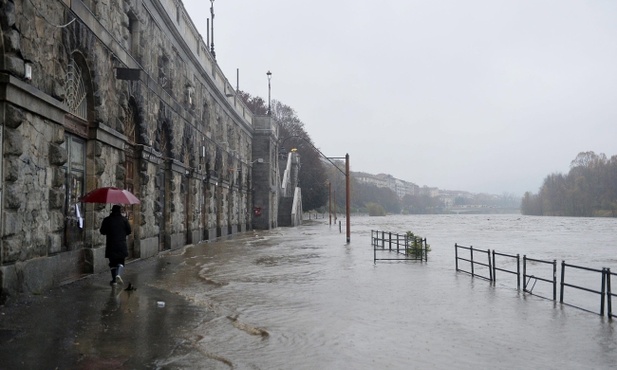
{"x": 116, "y": 228}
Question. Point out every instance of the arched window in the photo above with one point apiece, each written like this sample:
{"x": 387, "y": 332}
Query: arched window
{"x": 76, "y": 93}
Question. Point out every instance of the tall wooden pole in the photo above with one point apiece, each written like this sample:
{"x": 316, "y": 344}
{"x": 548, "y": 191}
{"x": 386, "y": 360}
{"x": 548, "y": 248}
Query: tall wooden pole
{"x": 347, "y": 198}
{"x": 330, "y": 201}
{"x": 334, "y": 202}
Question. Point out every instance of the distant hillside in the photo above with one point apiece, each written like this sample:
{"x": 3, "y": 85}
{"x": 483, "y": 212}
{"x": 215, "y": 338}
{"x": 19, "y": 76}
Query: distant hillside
{"x": 400, "y": 196}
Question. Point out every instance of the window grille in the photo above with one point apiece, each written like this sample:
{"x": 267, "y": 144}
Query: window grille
{"x": 76, "y": 91}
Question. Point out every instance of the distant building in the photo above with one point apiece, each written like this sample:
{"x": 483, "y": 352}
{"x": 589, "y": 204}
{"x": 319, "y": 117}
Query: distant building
{"x": 366, "y": 178}
{"x": 398, "y": 186}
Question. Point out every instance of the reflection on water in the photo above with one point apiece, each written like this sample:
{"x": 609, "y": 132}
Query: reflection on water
{"x": 300, "y": 298}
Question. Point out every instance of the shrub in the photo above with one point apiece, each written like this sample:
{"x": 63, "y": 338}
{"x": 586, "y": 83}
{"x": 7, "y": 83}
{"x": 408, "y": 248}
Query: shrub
{"x": 375, "y": 209}
{"x": 417, "y": 247}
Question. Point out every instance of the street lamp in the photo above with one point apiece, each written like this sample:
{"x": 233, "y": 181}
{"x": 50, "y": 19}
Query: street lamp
{"x": 269, "y": 74}
{"x": 212, "y": 29}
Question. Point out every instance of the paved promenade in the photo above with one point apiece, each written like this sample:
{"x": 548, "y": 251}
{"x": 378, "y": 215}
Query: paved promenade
{"x": 90, "y": 325}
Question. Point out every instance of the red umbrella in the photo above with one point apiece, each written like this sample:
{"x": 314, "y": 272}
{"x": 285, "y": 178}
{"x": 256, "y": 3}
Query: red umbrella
{"x": 110, "y": 195}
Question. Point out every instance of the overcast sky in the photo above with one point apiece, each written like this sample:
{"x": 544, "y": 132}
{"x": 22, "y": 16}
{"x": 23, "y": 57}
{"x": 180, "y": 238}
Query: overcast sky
{"x": 478, "y": 95}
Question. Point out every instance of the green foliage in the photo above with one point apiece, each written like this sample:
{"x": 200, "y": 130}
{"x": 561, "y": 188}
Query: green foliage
{"x": 421, "y": 204}
{"x": 417, "y": 246}
{"x": 589, "y": 189}
{"x": 361, "y": 194}
{"x": 255, "y": 103}
{"x": 312, "y": 177}
{"x": 375, "y": 209}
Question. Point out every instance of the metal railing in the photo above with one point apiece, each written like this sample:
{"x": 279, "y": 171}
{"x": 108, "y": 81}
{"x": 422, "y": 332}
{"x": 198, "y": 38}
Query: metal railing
{"x": 563, "y": 284}
{"x": 516, "y": 272}
{"x": 407, "y": 248}
{"x": 528, "y": 279}
{"x": 473, "y": 262}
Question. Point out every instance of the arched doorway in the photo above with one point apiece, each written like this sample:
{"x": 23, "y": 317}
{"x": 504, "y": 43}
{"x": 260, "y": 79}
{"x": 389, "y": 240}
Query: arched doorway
{"x": 79, "y": 100}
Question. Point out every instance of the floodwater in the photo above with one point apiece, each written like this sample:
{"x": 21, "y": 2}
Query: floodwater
{"x": 301, "y": 298}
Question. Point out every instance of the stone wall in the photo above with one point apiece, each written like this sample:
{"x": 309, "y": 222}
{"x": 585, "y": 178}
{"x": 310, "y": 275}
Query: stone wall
{"x": 114, "y": 93}
{"x": 266, "y": 178}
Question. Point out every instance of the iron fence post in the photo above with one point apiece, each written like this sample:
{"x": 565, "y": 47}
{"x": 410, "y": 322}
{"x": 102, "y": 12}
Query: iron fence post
{"x": 609, "y": 294}
{"x": 374, "y": 246}
{"x": 518, "y": 272}
{"x": 490, "y": 268}
{"x": 397, "y": 241}
{"x": 494, "y": 269}
{"x": 563, "y": 275}
{"x": 472, "y": 266}
{"x": 524, "y": 272}
{"x": 602, "y": 296}
{"x": 554, "y": 280}
{"x": 456, "y": 255}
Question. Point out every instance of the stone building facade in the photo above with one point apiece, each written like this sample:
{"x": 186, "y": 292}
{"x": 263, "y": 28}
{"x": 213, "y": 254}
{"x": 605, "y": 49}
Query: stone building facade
{"x": 120, "y": 93}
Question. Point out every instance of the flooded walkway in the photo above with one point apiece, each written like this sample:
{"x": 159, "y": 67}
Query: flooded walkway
{"x": 299, "y": 298}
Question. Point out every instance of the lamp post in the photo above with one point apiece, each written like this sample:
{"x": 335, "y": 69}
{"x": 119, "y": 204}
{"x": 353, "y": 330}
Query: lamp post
{"x": 212, "y": 29}
{"x": 330, "y": 202}
{"x": 347, "y": 197}
{"x": 269, "y": 74}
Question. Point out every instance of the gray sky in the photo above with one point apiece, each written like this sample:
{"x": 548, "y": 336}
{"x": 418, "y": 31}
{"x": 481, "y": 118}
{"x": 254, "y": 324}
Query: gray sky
{"x": 478, "y": 95}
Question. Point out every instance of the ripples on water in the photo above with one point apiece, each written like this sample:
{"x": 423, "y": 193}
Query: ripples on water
{"x": 326, "y": 305}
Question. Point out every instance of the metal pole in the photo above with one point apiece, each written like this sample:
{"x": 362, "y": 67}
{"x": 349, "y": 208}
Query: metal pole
{"x": 472, "y": 267}
{"x": 374, "y": 250}
{"x": 237, "y": 85}
{"x": 456, "y": 256}
{"x": 212, "y": 29}
{"x": 554, "y": 280}
{"x": 269, "y": 74}
{"x": 518, "y": 272}
{"x": 603, "y": 291}
{"x": 563, "y": 275}
{"x": 347, "y": 197}
{"x": 524, "y": 272}
{"x": 330, "y": 201}
{"x": 490, "y": 268}
{"x": 494, "y": 272}
{"x": 609, "y": 294}
{"x": 334, "y": 202}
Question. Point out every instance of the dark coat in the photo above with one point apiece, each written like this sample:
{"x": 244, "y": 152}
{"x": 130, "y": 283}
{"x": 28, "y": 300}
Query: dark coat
{"x": 116, "y": 228}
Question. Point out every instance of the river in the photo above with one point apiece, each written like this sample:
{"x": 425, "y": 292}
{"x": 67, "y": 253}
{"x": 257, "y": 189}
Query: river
{"x": 301, "y": 298}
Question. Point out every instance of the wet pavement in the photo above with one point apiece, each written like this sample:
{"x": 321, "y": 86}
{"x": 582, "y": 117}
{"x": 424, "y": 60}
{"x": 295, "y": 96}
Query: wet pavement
{"x": 299, "y": 298}
{"x": 90, "y": 325}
